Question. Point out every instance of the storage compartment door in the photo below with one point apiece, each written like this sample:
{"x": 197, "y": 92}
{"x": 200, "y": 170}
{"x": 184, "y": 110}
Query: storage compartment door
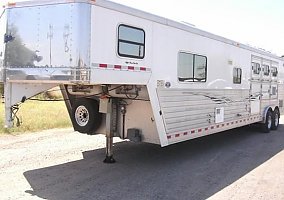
{"x": 255, "y": 97}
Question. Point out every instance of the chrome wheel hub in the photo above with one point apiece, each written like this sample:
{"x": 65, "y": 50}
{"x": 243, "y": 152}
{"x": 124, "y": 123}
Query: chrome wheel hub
{"x": 82, "y": 116}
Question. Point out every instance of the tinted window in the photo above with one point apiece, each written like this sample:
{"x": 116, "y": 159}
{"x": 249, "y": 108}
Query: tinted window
{"x": 131, "y": 42}
{"x": 237, "y": 76}
{"x": 191, "y": 67}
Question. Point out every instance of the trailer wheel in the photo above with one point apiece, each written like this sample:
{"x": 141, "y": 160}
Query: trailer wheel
{"x": 275, "y": 119}
{"x": 85, "y": 115}
{"x": 266, "y": 127}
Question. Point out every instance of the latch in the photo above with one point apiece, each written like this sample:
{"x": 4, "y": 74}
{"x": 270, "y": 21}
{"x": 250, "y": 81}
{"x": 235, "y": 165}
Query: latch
{"x": 8, "y": 38}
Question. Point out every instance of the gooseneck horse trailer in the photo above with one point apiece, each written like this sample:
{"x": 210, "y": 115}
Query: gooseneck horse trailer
{"x": 130, "y": 74}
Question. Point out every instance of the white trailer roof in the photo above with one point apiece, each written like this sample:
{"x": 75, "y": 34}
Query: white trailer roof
{"x": 148, "y": 16}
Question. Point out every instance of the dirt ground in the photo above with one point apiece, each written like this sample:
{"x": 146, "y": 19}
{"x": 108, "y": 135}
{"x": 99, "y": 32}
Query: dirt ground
{"x": 62, "y": 164}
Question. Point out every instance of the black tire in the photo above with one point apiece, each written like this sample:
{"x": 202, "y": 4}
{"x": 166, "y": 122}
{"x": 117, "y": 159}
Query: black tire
{"x": 266, "y": 127}
{"x": 85, "y": 116}
{"x": 275, "y": 119}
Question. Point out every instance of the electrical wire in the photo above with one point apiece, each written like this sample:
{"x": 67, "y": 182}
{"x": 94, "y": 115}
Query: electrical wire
{"x": 15, "y": 108}
{"x": 81, "y": 97}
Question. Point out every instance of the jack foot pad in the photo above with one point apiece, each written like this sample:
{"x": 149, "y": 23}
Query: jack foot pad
{"x": 109, "y": 160}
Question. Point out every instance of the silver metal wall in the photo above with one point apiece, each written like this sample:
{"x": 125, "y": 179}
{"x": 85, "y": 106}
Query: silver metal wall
{"x": 50, "y": 42}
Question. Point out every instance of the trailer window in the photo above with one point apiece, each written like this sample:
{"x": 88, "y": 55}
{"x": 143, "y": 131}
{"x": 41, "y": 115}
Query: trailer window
{"x": 265, "y": 70}
{"x": 237, "y": 76}
{"x": 191, "y": 67}
{"x": 255, "y": 68}
{"x": 274, "y": 71}
{"x": 131, "y": 42}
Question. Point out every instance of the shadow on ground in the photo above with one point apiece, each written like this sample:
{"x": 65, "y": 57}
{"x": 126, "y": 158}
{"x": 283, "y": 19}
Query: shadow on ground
{"x": 196, "y": 169}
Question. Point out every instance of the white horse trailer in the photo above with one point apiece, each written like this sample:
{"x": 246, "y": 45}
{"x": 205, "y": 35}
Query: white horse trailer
{"x": 130, "y": 74}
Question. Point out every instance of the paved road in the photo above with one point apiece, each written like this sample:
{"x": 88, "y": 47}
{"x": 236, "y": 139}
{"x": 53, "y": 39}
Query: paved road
{"x": 63, "y": 165}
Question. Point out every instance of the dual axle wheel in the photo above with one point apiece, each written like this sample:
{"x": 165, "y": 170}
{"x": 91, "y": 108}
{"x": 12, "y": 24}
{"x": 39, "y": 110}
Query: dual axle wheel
{"x": 272, "y": 121}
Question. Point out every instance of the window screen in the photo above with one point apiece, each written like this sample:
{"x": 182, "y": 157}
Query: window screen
{"x": 255, "y": 68}
{"x": 265, "y": 70}
{"x": 274, "y": 71}
{"x": 131, "y": 42}
{"x": 191, "y": 67}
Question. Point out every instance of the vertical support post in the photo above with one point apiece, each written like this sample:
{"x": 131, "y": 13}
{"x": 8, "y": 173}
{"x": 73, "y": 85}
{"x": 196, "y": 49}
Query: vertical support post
{"x": 67, "y": 99}
{"x": 109, "y": 134}
{"x": 8, "y": 110}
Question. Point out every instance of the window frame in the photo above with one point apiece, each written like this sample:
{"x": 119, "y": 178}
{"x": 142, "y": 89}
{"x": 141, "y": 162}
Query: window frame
{"x": 130, "y": 42}
{"x": 192, "y": 79}
{"x": 237, "y": 79}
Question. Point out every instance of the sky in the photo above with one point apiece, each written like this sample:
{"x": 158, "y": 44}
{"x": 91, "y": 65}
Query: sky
{"x": 258, "y": 23}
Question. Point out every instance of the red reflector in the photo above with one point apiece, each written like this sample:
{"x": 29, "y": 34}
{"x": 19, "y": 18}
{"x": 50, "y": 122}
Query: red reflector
{"x": 130, "y": 68}
{"x": 117, "y": 67}
{"x": 12, "y": 4}
{"x": 199, "y": 130}
{"x": 185, "y": 133}
{"x": 143, "y": 68}
{"x": 192, "y": 132}
{"x": 177, "y": 135}
{"x": 103, "y": 65}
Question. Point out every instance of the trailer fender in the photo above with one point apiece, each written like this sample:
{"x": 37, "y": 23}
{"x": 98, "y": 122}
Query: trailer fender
{"x": 264, "y": 114}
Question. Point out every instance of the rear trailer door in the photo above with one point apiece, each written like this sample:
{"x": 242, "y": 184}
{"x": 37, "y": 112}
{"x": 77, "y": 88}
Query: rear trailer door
{"x": 48, "y": 42}
{"x": 2, "y": 33}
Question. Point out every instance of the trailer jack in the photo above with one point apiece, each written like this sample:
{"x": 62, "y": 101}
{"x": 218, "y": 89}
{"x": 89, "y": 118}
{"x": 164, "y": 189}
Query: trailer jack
{"x": 109, "y": 152}
{"x": 109, "y": 130}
